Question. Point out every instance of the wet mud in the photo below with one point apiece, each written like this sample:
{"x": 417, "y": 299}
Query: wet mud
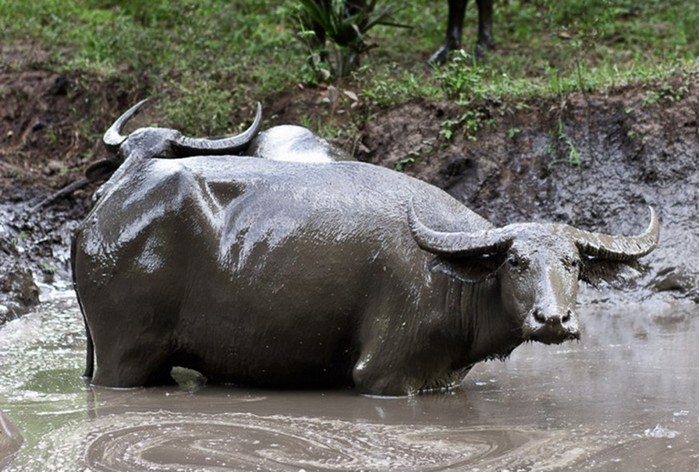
{"x": 625, "y": 398}
{"x": 34, "y": 249}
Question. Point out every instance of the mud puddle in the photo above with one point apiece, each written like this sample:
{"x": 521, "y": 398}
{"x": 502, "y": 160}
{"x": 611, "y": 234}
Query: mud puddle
{"x": 625, "y": 398}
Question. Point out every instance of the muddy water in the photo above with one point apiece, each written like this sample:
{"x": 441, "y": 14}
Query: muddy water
{"x": 625, "y": 398}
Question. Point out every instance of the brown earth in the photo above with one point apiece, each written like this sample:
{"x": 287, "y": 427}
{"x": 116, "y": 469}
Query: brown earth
{"x": 592, "y": 160}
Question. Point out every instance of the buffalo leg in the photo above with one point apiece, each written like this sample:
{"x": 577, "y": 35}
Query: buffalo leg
{"x": 455, "y": 27}
{"x": 128, "y": 360}
{"x": 485, "y": 27}
{"x": 124, "y": 370}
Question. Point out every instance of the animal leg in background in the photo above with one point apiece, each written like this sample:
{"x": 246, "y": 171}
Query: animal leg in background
{"x": 485, "y": 27}
{"x": 455, "y": 27}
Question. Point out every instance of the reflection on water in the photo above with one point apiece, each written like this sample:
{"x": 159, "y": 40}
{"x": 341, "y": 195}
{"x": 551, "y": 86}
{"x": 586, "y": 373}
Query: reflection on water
{"x": 625, "y": 398}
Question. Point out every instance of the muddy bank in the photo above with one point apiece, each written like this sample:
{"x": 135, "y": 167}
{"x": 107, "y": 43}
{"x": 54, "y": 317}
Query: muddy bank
{"x": 593, "y": 160}
{"x": 35, "y": 248}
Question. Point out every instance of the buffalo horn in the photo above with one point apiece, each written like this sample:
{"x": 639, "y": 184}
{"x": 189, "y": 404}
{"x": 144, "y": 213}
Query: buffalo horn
{"x": 617, "y": 248}
{"x": 112, "y": 137}
{"x": 457, "y": 244}
{"x": 186, "y": 146}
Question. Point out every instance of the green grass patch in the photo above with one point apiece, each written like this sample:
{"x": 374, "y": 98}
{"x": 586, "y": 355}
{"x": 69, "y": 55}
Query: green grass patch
{"x": 213, "y": 57}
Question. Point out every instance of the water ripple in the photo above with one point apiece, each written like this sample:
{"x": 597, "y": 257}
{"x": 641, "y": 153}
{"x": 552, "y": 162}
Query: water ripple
{"x": 248, "y": 442}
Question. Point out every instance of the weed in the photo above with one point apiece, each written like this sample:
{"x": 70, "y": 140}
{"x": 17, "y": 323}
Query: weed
{"x": 48, "y": 268}
{"x": 664, "y": 93}
{"x": 346, "y": 26}
{"x": 512, "y": 133}
{"x": 472, "y": 120}
{"x": 403, "y": 163}
{"x": 18, "y": 238}
{"x": 446, "y": 129}
{"x": 461, "y": 78}
{"x": 571, "y": 152}
{"x": 385, "y": 89}
{"x": 51, "y": 136}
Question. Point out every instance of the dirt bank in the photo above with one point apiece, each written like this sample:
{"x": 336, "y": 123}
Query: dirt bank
{"x": 592, "y": 160}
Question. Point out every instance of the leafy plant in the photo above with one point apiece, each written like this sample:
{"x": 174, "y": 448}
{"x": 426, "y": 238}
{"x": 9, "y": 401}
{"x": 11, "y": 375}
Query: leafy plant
{"x": 471, "y": 120}
{"x": 664, "y": 93}
{"x": 403, "y": 163}
{"x": 461, "y": 78}
{"x": 346, "y": 25}
{"x": 513, "y": 132}
{"x": 571, "y": 152}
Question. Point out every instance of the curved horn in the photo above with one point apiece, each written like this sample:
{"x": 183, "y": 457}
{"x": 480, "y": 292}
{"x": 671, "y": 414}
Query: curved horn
{"x": 112, "y": 137}
{"x": 458, "y": 243}
{"x": 186, "y": 146}
{"x": 617, "y": 248}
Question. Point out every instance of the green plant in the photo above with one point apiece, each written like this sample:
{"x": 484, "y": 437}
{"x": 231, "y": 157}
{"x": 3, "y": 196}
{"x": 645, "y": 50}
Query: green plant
{"x": 471, "y": 120}
{"x": 513, "y": 132}
{"x": 664, "y": 93}
{"x": 461, "y": 78}
{"x": 571, "y": 152}
{"x": 446, "y": 129}
{"x": 346, "y": 26}
{"x": 385, "y": 89}
{"x": 18, "y": 238}
{"x": 48, "y": 268}
{"x": 403, "y": 163}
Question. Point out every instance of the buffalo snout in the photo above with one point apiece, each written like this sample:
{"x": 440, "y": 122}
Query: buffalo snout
{"x": 551, "y": 326}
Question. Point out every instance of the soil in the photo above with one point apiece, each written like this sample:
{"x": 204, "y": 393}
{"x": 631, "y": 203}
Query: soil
{"x": 594, "y": 160}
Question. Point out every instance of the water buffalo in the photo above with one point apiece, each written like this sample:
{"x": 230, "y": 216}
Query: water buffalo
{"x": 285, "y": 274}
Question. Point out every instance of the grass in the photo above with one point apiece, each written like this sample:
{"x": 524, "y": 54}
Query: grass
{"x": 210, "y": 58}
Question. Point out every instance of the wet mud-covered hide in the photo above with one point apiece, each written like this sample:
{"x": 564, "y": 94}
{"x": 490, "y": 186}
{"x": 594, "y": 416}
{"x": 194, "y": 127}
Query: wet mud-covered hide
{"x": 296, "y": 144}
{"x": 285, "y": 274}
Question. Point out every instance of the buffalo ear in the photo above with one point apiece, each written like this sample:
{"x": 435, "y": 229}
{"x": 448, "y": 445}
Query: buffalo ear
{"x": 469, "y": 269}
{"x": 101, "y": 170}
{"x": 593, "y": 270}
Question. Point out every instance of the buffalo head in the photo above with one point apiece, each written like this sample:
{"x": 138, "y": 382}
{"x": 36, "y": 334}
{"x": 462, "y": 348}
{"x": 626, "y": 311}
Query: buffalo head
{"x": 164, "y": 143}
{"x": 170, "y": 143}
{"x": 536, "y": 267}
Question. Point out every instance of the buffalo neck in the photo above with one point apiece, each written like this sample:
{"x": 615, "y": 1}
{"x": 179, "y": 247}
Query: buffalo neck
{"x": 488, "y": 331}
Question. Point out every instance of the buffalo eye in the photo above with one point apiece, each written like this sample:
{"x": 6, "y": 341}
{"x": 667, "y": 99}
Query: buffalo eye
{"x": 572, "y": 264}
{"x": 517, "y": 262}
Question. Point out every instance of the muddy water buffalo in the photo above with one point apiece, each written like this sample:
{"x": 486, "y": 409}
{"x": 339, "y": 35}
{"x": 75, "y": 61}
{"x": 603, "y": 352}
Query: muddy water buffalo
{"x": 285, "y": 274}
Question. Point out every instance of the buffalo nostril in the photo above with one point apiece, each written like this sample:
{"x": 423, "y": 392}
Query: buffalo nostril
{"x": 566, "y": 318}
{"x": 539, "y": 316}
